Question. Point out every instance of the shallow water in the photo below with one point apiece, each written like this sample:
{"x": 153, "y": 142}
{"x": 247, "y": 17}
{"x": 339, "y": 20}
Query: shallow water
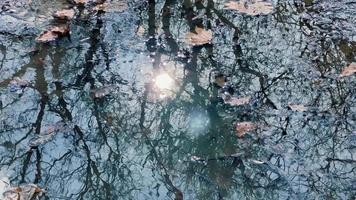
{"x": 90, "y": 117}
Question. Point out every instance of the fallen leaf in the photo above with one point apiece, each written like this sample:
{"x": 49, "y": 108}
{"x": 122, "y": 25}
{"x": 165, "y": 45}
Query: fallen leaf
{"x": 17, "y": 81}
{"x": 256, "y": 7}
{"x": 140, "y": 31}
{"x": 49, "y": 132}
{"x": 244, "y": 127}
{"x": 298, "y": 108}
{"x": 348, "y": 71}
{"x": 220, "y": 80}
{"x": 67, "y": 14}
{"x": 200, "y": 37}
{"x": 81, "y": 2}
{"x": 116, "y": 6}
{"x": 54, "y": 33}
{"x": 61, "y": 30}
{"x": 23, "y": 192}
{"x": 47, "y": 36}
{"x": 17, "y": 84}
{"x": 234, "y": 101}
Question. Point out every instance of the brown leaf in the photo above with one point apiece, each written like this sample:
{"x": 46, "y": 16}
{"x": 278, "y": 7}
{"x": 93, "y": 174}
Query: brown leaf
{"x": 348, "y": 71}
{"x": 140, "y": 31}
{"x": 67, "y": 14}
{"x": 116, "y": 6}
{"x": 61, "y": 30}
{"x": 220, "y": 80}
{"x": 234, "y": 101}
{"x": 47, "y": 36}
{"x": 23, "y": 192}
{"x": 256, "y": 7}
{"x": 81, "y": 2}
{"x": 200, "y": 37}
{"x": 18, "y": 82}
{"x": 49, "y": 132}
{"x": 244, "y": 127}
{"x": 297, "y": 108}
{"x": 54, "y": 33}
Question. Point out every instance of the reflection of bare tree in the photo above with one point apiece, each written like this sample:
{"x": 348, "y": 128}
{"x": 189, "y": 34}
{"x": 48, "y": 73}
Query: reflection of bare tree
{"x": 124, "y": 145}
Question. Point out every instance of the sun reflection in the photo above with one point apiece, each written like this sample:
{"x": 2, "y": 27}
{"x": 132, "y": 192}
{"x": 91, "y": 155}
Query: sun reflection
{"x": 164, "y": 82}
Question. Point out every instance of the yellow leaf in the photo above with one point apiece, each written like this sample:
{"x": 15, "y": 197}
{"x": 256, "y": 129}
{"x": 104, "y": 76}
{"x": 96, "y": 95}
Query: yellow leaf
{"x": 256, "y": 7}
{"x": 348, "y": 71}
{"x": 200, "y": 37}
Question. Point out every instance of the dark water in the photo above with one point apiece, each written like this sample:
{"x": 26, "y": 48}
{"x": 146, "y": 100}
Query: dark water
{"x": 86, "y": 119}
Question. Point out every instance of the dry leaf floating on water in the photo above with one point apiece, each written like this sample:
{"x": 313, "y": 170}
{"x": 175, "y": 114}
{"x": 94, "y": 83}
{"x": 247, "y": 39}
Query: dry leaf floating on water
{"x": 200, "y": 37}
{"x": 67, "y": 14}
{"x": 234, "y": 101}
{"x": 140, "y": 31}
{"x": 81, "y": 2}
{"x": 117, "y": 6}
{"x": 348, "y": 71}
{"x": 244, "y": 127}
{"x": 256, "y": 7}
{"x": 54, "y": 33}
{"x": 297, "y": 108}
{"x": 23, "y": 192}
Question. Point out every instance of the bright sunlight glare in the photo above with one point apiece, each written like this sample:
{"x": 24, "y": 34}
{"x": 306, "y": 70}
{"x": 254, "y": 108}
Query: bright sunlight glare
{"x": 164, "y": 81}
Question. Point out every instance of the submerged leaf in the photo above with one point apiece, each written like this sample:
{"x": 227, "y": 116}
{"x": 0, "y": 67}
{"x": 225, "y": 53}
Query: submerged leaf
{"x": 200, "y": 37}
{"x": 348, "y": 71}
{"x": 234, "y": 101}
{"x": 220, "y": 80}
{"x": 256, "y": 7}
{"x": 67, "y": 14}
{"x": 244, "y": 127}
